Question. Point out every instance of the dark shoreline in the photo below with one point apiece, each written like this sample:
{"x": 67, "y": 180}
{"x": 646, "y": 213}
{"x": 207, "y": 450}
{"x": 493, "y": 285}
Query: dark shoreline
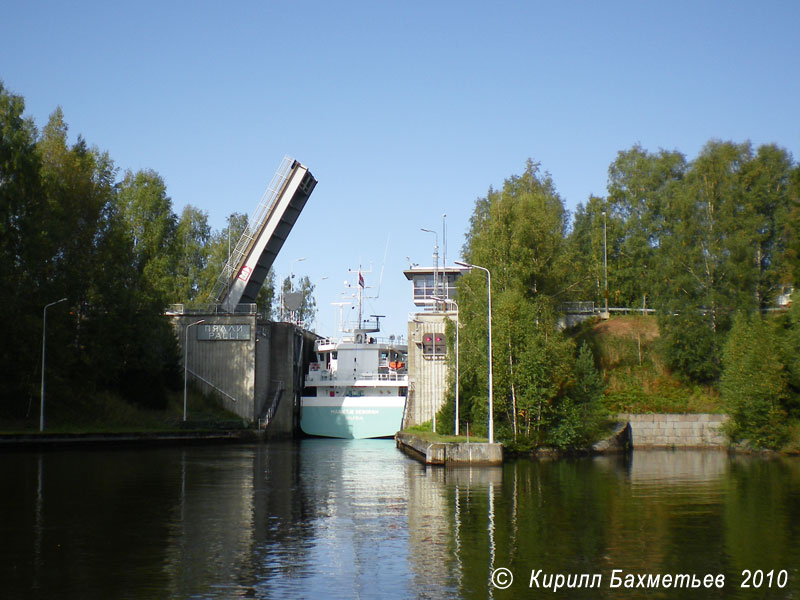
{"x": 27, "y": 441}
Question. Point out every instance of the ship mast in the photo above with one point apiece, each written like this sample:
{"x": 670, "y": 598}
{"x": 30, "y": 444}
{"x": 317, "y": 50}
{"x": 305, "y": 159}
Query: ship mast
{"x": 361, "y": 326}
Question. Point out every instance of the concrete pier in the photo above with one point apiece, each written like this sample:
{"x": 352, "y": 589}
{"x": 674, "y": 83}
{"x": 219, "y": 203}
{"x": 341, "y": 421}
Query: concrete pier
{"x": 462, "y": 454}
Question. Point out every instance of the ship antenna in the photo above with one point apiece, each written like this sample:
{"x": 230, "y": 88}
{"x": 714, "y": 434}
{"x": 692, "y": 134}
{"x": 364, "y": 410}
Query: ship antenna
{"x": 383, "y": 266}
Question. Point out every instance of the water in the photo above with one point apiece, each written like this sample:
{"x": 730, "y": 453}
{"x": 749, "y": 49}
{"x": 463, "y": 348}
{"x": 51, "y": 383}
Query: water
{"x": 358, "y": 519}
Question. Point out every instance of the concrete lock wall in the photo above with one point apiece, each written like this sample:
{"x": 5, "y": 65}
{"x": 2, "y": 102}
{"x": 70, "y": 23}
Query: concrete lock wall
{"x": 220, "y": 357}
{"x": 676, "y": 430}
{"x": 290, "y": 350}
{"x": 254, "y": 367}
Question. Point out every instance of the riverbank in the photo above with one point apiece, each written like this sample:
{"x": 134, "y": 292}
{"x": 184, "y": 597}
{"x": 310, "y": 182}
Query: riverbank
{"x": 110, "y": 414}
{"x": 64, "y": 440}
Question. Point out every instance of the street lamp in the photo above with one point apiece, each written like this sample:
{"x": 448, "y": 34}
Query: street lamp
{"x": 291, "y": 273}
{"x": 435, "y": 259}
{"x": 435, "y": 293}
{"x": 291, "y": 289}
{"x": 489, "y": 310}
{"x": 44, "y": 348}
{"x": 186, "y": 363}
{"x": 605, "y": 265}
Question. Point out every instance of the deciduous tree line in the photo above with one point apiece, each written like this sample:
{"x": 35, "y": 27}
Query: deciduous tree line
{"x": 699, "y": 241}
{"x": 72, "y": 225}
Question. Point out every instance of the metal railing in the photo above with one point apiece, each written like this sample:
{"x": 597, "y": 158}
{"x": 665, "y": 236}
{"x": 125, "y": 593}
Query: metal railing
{"x": 269, "y": 410}
{"x": 250, "y": 232}
{"x": 349, "y": 339}
{"x": 211, "y": 309}
{"x": 208, "y": 383}
{"x": 589, "y": 308}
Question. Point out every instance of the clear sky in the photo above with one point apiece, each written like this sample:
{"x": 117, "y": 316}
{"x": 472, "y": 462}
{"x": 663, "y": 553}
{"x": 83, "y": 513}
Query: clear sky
{"x": 404, "y": 111}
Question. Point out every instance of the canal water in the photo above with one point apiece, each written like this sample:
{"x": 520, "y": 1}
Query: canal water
{"x": 358, "y": 519}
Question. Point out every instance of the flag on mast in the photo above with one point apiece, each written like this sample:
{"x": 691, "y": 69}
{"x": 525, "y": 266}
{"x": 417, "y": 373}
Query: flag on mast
{"x": 360, "y": 279}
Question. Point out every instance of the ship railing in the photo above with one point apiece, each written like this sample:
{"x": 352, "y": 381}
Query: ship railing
{"x": 390, "y": 376}
{"x": 350, "y": 339}
{"x": 316, "y": 376}
{"x": 319, "y": 376}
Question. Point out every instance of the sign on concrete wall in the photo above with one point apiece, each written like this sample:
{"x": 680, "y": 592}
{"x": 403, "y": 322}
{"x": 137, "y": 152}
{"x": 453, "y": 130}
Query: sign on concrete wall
{"x": 223, "y": 332}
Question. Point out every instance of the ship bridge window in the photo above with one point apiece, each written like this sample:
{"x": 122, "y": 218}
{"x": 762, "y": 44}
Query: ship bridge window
{"x": 434, "y": 344}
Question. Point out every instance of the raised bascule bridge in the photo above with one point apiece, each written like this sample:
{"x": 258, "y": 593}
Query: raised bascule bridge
{"x": 246, "y": 270}
{"x": 254, "y": 365}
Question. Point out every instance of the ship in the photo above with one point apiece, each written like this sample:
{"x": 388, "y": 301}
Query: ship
{"x": 357, "y": 383}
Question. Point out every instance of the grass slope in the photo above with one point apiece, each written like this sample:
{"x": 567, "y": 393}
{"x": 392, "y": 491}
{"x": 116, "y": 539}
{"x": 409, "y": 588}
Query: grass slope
{"x": 627, "y": 350}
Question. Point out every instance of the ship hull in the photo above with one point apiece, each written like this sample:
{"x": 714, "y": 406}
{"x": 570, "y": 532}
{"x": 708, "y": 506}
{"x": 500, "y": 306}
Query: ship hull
{"x": 352, "y": 417}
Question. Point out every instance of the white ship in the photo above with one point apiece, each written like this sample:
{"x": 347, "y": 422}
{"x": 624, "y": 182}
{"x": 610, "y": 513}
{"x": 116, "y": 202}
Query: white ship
{"x": 357, "y": 385}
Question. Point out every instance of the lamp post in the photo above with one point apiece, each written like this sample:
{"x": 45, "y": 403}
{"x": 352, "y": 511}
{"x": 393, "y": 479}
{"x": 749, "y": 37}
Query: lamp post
{"x": 44, "y": 353}
{"x": 435, "y": 259}
{"x": 435, "y": 294}
{"x": 186, "y": 363}
{"x": 605, "y": 265}
{"x": 291, "y": 273}
{"x": 489, "y": 310}
{"x": 291, "y": 289}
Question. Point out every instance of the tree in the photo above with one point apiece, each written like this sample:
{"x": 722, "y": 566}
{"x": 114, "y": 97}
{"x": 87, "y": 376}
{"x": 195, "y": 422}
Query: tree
{"x": 193, "y": 236}
{"x": 303, "y": 294}
{"x": 639, "y": 187}
{"x": 146, "y": 211}
{"x": 753, "y": 384}
{"x": 63, "y": 236}
{"x": 519, "y": 234}
{"x": 581, "y": 415}
{"x": 220, "y": 246}
{"x": 22, "y": 209}
{"x": 586, "y": 243}
{"x": 764, "y": 223}
{"x": 722, "y": 250}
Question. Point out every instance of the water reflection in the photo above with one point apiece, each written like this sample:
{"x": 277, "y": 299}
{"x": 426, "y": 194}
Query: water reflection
{"x": 356, "y": 518}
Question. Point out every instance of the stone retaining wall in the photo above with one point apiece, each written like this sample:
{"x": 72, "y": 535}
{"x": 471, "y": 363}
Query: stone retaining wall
{"x": 676, "y": 430}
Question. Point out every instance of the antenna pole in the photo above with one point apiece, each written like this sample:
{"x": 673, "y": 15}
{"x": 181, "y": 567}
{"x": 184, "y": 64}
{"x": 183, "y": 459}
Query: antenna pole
{"x": 444, "y": 241}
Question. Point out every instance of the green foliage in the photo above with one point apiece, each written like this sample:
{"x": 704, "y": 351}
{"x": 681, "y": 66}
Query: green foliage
{"x": 69, "y": 230}
{"x": 306, "y": 312}
{"x": 218, "y": 248}
{"x": 788, "y": 334}
{"x": 722, "y": 249}
{"x": 145, "y": 212}
{"x": 640, "y": 187}
{"x": 581, "y": 417}
{"x": 192, "y": 238}
{"x": 690, "y": 346}
{"x": 519, "y": 235}
{"x": 22, "y": 208}
{"x": 754, "y": 384}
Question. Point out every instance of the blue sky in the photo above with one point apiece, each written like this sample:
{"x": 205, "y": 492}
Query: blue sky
{"x": 404, "y": 111}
